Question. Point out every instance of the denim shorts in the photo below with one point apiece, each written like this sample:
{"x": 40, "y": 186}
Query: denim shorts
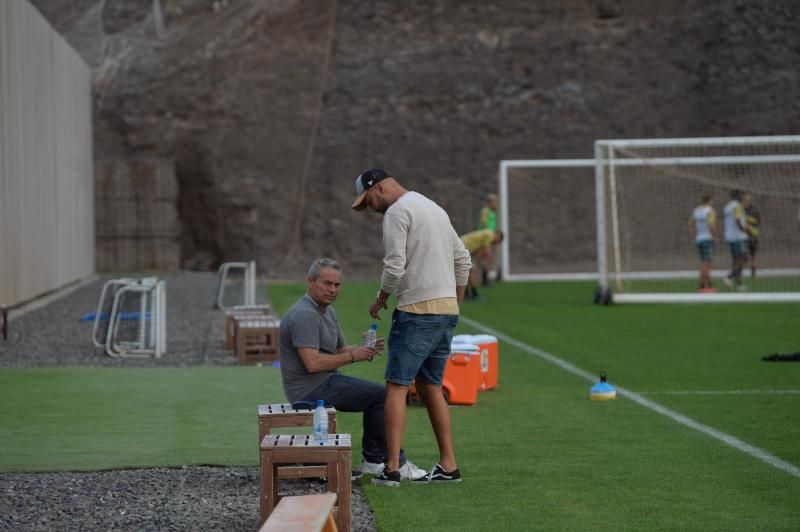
{"x": 419, "y": 345}
{"x": 738, "y": 248}
{"x": 706, "y": 250}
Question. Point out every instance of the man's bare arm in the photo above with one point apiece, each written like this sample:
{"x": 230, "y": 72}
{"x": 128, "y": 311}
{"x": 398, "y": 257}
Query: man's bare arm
{"x": 315, "y": 361}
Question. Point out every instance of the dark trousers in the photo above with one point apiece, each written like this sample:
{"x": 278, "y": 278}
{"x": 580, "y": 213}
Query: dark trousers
{"x": 350, "y": 394}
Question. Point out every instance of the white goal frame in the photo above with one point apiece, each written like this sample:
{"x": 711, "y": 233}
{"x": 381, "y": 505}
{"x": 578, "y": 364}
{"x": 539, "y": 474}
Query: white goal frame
{"x": 604, "y": 170}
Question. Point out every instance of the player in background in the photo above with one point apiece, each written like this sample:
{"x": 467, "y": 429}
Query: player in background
{"x": 753, "y": 218}
{"x": 487, "y": 220}
{"x": 477, "y": 242}
{"x": 703, "y": 228}
{"x": 736, "y": 237}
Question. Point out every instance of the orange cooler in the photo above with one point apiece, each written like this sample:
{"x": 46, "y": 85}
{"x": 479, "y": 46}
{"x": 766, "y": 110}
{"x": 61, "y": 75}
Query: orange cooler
{"x": 489, "y": 350}
{"x": 489, "y": 360}
{"x": 462, "y": 375}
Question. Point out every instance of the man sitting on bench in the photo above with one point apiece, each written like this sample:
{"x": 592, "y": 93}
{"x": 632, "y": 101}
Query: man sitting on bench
{"x": 313, "y": 347}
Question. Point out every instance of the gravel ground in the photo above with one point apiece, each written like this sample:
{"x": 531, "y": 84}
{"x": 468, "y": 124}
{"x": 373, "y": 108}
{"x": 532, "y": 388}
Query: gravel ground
{"x": 187, "y": 498}
{"x": 54, "y": 335}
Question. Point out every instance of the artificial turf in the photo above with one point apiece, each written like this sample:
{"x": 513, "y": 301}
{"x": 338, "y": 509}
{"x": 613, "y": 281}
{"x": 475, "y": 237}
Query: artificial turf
{"x": 536, "y": 453}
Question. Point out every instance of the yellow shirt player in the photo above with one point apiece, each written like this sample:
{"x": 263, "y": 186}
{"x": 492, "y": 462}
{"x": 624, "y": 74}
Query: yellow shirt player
{"x": 476, "y": 242}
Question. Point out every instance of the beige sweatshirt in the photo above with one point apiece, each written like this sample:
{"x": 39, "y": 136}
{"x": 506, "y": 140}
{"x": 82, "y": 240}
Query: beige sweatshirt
{"x": 424, "y": 257}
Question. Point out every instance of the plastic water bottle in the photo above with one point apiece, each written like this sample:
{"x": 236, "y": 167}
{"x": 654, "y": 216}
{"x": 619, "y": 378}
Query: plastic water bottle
{"x": 320, "y": 423}
{"x": 371, "y": 336}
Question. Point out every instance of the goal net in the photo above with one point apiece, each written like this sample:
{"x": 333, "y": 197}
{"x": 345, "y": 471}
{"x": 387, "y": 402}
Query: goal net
{"x": 547, "y": 214}
{"x": 646, "y": 192}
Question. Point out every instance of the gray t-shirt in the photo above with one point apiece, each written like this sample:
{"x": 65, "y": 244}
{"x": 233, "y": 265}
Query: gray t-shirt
{"x": 306, "y": 325}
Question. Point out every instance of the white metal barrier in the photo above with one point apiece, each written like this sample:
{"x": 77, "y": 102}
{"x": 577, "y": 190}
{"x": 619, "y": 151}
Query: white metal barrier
{"x": 100, "y": 327}
{"x": 249, "y": 270}
{"x": 135, "y": 315}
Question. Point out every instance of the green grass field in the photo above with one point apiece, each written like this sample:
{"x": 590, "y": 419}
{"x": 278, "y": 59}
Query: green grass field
{"x": 536, "y": 453}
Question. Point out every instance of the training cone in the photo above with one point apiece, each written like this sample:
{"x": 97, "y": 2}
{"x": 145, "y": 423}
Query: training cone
{"x": 603, "y": 391}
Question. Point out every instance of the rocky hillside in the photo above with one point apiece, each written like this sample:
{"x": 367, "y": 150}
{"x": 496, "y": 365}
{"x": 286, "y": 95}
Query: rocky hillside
{"x": 233, "y": 129}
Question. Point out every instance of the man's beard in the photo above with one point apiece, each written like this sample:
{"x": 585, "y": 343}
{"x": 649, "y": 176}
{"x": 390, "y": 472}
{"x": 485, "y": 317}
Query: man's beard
{"x": 382, "y": 206}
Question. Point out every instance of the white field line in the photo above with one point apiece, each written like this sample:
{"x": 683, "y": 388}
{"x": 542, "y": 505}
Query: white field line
{"x": 725, "y": 392}
{"x": 727, "y": 439}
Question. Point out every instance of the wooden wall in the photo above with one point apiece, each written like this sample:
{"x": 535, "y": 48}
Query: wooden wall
{"x": 46, "y": 173}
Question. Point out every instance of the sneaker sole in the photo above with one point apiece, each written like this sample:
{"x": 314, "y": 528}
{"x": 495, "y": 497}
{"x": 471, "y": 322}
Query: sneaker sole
{"x": 427, "y": 482}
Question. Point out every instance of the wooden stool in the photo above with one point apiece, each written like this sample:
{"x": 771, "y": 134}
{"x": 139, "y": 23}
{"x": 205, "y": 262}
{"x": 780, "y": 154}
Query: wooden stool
{"x": 303, "y": 513}
{"x": 257, "y": 339}
{"x": 334, "y": 454}
{"x": 244, "y": 311}
{"x": 284, "y": 416}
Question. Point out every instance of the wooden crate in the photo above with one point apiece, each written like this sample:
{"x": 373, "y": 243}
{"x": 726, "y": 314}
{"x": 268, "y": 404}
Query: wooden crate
{"x": 243, "y": 311}
{"x": 257, "y": 340}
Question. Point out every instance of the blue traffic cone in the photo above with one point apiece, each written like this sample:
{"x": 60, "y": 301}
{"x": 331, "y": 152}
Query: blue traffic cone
{"x": 603, "y": 391}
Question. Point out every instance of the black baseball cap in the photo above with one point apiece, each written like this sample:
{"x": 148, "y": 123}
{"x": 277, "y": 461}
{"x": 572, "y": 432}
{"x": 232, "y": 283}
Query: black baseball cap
{"x": 364, "y": 182}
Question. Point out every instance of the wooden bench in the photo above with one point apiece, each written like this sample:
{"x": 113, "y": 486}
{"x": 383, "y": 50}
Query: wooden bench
{"x": 243, "y": 311}
{"x": 334, "y": 454}
{"x": 303, "y": 513}
{"x": 256, "y": 339}
{"x": 284, "y": 416}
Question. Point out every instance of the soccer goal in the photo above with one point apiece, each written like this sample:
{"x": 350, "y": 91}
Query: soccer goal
{"x": 646, "y": 190}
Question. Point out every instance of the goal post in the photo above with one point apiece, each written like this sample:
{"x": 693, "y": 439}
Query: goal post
{"x": 646, "y": 191}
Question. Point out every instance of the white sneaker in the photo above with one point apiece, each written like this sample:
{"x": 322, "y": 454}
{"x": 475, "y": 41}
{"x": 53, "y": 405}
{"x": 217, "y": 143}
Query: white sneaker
{"x": 370, "y": 468}
{"x": 728, "y": 282}
{"x": 409, "y": 471}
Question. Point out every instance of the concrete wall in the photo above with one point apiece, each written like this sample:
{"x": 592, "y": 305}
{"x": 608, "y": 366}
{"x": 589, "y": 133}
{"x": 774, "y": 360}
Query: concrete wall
{"x": 46, "y": 170}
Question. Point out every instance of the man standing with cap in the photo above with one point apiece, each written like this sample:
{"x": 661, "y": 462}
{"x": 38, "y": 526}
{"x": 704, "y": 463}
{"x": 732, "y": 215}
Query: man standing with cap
{"x": 425, "y": 266}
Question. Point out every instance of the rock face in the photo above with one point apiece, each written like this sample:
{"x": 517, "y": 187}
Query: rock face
{"x": 254, "y": 117}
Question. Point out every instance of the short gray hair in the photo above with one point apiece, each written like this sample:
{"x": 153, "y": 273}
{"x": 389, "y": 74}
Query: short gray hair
{"x": 318, "y": 264}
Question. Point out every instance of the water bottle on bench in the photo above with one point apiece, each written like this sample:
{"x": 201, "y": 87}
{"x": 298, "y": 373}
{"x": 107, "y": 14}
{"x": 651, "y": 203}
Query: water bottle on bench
{"x": 320, "y": 423}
